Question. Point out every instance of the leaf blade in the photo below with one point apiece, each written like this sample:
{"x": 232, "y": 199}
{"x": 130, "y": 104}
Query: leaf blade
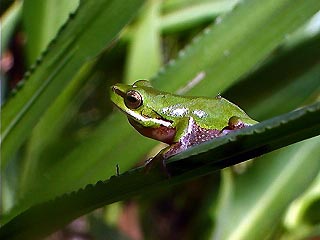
{"x": 198, "y": 161}
{"x": 65, "y": 56}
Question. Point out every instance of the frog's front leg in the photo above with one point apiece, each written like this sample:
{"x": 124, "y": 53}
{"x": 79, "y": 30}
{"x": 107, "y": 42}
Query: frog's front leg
{"x": 176, "y": 146}
{"x": 187, "y": 135}
{"x": 162, "y": 156}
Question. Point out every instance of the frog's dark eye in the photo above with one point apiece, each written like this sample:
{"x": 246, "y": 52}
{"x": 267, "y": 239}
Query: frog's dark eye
{"x": 133, "y": 99}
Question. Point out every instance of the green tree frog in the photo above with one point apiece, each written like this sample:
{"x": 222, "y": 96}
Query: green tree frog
{"x": 180, "y": 121}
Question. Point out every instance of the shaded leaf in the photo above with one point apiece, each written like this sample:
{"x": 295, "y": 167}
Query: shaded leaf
{"x": 59, "y": 64}
{"x": 39, "y": 33}
{"x": 260, "y": 196}
{"x": 197, "y": 161}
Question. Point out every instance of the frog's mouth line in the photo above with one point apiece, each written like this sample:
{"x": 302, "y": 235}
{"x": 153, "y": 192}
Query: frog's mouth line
{"x": 138, "y": 117}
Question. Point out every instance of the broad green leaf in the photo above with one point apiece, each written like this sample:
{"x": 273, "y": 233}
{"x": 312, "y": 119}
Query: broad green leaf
{"x": 53, "y": 13}
{"x": 231, "y": 47}
{"x": 200, "y": 160}
{"x": 88, "y": 162}
{"x": 65, "y": 106}
{"x": 144, "y": 55}
{"x": 302, "y": 217}
{"x": 283, "y": 75}
{"x": 308, "y": 81}
{"x": 173, "y": 5}
{"x": 114, "y": 141}
{"x": 59, "y": 65}
{"x": 195, "y": 14}
{"x": 260, "y": 196}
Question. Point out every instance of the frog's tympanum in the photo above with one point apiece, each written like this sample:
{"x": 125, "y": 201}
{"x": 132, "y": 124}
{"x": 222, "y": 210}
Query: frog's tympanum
{"x": 180, "y": 121}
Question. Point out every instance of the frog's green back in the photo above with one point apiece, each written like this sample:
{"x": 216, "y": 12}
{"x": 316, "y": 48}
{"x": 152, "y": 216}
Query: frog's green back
{"x": 210, "y": 113}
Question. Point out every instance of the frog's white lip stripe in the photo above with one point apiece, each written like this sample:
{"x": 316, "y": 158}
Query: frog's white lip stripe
{"x": 139, "y": 117}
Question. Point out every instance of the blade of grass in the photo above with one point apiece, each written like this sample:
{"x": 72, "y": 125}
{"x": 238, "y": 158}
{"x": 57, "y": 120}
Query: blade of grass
{"x": 303, "y": 214}
{"x": 193, "y": 15}
{"x": 65, "y": 106}
{"x": 90, "y": 162}
{"x": 59, "y": 64}
{"x": 39, "y": 33}
{"x": 8, "y": 23}
{"x": 231, "y": 47}
{"x": 293, "y": 67}
{"x": 200, "y": 160}
{"x": 260, "y": 196}
{"x": 282, "y": 78}
{"x": 145, "y": 44}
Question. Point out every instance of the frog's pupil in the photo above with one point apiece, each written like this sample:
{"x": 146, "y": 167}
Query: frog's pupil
{"x": 133, "y": 99}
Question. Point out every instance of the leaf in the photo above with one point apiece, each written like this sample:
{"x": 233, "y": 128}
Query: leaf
{"x": 145, "y": 45}
{"x": 63, "y": 108}
{"x": 261, "y": 195}
{"x": 302, "y": 217}
{"x": 39, "y": 33}
{"x": 194, "y": 14}
{"x": 231, "y": 48}
{"x": 282, "y": 76}
{"x": 114, "y": 141}
{"x": 59, "y": 64}
{"x": 197, "y": 161}
{"x": 8, "y": 23}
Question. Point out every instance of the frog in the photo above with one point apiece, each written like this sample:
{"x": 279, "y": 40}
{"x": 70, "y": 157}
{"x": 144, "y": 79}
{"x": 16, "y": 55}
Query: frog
{"x": 179, "y": 121}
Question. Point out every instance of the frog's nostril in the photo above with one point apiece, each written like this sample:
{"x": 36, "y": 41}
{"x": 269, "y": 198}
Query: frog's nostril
{"x": 117, "y": 91}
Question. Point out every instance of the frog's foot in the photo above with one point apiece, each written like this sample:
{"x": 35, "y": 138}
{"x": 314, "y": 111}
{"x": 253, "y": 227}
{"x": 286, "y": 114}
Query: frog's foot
{"x": 157, "y": 161}
{"x": 234, "y": 123}
{"x": 160, "y": 159}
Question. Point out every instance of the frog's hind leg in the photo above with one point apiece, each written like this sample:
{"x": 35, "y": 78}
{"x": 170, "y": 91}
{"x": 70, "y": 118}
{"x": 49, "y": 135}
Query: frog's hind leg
{"x": 234, "y": 123}
{"x": 198, "y": 134}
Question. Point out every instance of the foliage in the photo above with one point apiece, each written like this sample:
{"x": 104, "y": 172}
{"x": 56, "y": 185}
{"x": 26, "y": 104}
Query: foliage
{"x": 59, "y": 132}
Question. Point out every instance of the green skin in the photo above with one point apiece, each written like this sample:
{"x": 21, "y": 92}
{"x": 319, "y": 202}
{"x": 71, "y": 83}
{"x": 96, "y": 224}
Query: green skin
{"x": 180, "y": 121}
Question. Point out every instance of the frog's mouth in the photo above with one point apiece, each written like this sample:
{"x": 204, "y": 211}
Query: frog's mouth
{"x": 141, "y": 118}
{"x": 117, "y": 99}
{"x": 134, "y": 116}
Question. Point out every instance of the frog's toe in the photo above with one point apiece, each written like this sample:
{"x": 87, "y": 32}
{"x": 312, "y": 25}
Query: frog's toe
{"x": 156, "y": 162}
{"x": 225, "y": 131}
{"x": 235, "y": 123}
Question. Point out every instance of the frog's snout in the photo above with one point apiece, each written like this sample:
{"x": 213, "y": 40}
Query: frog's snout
{"x": 117, "y": 90}
{"x": 114, "y": 88}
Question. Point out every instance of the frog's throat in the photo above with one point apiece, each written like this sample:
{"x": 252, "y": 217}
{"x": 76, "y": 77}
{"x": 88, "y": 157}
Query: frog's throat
{"x": 160, "y": 133}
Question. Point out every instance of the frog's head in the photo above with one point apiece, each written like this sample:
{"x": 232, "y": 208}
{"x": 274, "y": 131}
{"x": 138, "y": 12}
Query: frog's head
{"x": 137, "y": 101}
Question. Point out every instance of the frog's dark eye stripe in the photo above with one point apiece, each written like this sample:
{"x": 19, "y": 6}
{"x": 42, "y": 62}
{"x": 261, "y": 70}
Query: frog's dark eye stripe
{"x": 133, "y": 99}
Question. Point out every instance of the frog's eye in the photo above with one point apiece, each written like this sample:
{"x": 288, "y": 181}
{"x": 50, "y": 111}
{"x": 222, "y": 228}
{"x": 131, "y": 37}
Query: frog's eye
{"x": 133, "y": 99}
